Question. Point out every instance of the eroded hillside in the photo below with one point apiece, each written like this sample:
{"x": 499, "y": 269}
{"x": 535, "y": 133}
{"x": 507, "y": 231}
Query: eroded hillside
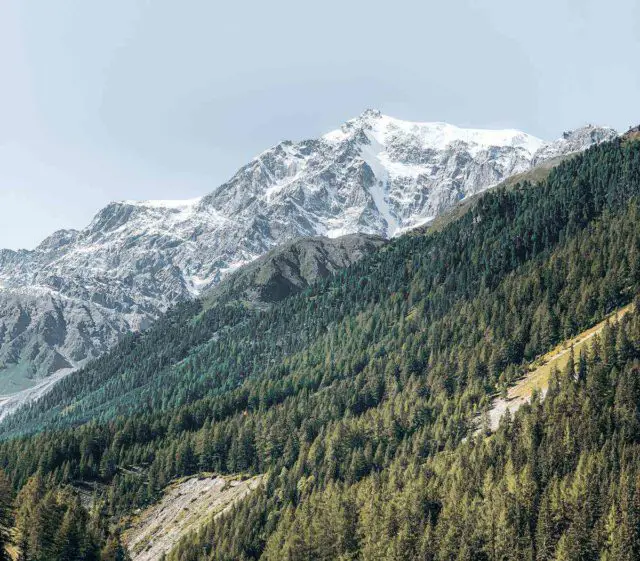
{"x": 185, "y": 506}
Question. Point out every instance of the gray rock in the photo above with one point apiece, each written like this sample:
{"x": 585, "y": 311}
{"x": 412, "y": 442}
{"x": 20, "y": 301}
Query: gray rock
{"x": 292, "y": 267}
{"x": 73, "y": 296}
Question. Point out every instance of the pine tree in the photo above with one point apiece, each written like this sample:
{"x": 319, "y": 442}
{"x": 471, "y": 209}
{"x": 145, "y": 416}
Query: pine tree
{"x": 27, "y": 502}
{"x": 6, "y": 513}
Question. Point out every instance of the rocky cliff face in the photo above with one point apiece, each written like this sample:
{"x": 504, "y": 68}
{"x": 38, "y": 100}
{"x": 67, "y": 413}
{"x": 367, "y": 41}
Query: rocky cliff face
{"x": 573, "y": 141}
{"x": 70, "y": 299}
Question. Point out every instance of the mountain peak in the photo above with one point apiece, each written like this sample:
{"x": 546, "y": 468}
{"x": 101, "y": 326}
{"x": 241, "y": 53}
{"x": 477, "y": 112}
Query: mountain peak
{"x": 375, "y": 175}
{"x": 364, "y": 121}
{"x": 431, "y": 135}
{"x": 575, "y": 140}
{"x": 369, "y": 114}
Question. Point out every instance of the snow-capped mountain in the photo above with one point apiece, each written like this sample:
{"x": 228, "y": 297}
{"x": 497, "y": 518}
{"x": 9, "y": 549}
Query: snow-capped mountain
{"x": 70, "y": 299}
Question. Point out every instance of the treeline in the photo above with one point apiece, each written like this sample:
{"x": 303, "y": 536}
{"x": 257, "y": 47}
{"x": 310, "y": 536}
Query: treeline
{"x": 369, "y": 378}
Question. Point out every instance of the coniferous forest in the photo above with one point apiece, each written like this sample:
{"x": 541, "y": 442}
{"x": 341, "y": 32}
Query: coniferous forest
{"x": 360, "y": 399}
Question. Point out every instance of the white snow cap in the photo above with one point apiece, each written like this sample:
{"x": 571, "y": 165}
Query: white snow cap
{"x": 175, "y": 203}
{"x": 434, "y": 135}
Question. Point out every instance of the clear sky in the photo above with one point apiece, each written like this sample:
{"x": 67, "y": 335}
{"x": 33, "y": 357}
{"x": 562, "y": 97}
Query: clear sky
{"x": 133, "y": 99}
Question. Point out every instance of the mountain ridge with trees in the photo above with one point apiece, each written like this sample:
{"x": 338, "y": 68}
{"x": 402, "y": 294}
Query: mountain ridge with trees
{"x": 357, "y": 396}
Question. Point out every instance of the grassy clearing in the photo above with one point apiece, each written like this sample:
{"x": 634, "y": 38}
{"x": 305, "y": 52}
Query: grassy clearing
{"x": 540, "y": 371}
{"x": 558, "y": 358}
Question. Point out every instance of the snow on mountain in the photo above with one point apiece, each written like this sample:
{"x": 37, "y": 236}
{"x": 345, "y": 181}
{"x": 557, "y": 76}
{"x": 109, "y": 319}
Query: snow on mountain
{"x": 573, "y": 141}
{"x": 73, "y": 296}
{"x": 423, "y": 168}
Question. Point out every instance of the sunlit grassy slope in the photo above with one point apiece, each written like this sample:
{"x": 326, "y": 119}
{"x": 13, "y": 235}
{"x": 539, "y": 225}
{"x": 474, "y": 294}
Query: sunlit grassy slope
{"x": 540, "y": 371}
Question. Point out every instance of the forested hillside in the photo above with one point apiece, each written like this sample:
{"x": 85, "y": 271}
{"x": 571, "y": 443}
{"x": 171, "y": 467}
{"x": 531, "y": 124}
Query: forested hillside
{"x": 559, "y": 481}
{"x": 358, "y": 395}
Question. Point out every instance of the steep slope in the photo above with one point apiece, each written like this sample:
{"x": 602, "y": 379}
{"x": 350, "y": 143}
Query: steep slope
{"x": 347, "y": 393}
{"x": 194, "y": 352}
{"x": 280, "y": 273}
{"x": 184, "y": 508}
{"x": 538, "y": 375}
{"x": 292, "y": 267}
{"x": 558, "y": 480}
{"x": 74, "y": 296}
{"x": 536, "y": 174}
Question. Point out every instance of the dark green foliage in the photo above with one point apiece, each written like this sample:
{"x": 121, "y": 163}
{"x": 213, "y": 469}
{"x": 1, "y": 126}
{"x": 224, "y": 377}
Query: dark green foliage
{"x": 6, "y": 514}
{"x": 172, "y": 365}
{"x": 52, "y": 525}
{"x": 561, "y": 480}
{"x": 356, "y": 395}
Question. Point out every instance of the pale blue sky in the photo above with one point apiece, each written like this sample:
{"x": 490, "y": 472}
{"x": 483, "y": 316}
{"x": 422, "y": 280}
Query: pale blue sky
{"x": 107, "y": 100}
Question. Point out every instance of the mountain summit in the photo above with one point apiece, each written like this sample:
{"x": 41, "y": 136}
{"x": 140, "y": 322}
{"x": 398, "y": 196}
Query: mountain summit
{"x": 73, "y": 296}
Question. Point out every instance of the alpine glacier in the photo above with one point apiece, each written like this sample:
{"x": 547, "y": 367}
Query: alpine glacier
{"x": 75, "y": 294}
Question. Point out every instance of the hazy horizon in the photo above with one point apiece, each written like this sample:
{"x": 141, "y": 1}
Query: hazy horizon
{"x": 141, "y": 100}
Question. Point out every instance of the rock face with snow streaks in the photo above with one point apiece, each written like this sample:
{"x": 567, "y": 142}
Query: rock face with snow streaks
{"x": 72, "y": 297}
